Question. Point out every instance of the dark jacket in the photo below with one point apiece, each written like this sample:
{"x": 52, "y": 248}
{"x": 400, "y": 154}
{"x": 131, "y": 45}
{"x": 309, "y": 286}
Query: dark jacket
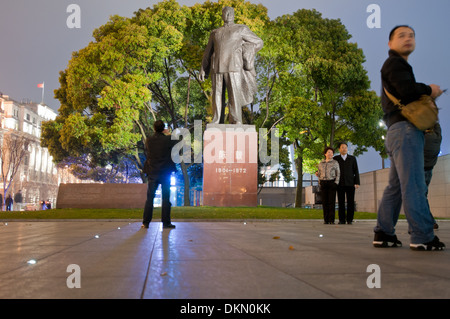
{"x": 349, "y": 170}
{"x": 158, "y": 149}
{"x": 397, "y": 78}
{"x": 433, "y": 139}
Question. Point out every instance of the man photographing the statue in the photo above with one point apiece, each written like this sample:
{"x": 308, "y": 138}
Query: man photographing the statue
{"x": 158, "y": 167}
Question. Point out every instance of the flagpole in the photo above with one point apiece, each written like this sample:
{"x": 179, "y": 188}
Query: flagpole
{"x": 43, "y": 88}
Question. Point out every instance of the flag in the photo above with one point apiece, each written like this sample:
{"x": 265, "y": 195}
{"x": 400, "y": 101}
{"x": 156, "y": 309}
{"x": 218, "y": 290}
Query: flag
{"x": 41, "y": 86}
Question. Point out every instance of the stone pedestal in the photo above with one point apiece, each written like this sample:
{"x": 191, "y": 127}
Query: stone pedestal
{"x": 230, "y": 165}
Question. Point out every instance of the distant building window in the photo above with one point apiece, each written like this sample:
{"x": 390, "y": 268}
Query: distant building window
{"x": 28, "y": 117}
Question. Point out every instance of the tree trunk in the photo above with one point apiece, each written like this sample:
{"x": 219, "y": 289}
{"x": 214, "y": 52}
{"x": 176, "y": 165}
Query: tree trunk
{"x": 187, "y": 184}
{"x": 299, "y": 192}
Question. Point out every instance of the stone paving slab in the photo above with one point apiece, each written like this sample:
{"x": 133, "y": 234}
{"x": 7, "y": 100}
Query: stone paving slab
{"x": 302, "y": 259}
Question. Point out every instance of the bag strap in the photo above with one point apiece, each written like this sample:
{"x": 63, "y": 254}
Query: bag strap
{"x": 393, "y": 99}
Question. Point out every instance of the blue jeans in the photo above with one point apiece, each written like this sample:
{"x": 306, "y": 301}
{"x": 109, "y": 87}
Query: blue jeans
{"x": 404, "y": 144}
{"x": 153, "y": 183}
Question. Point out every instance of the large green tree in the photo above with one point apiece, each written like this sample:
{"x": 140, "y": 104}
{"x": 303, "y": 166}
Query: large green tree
{"x": 315, "y": 88}
{"x": 136, "y": 70}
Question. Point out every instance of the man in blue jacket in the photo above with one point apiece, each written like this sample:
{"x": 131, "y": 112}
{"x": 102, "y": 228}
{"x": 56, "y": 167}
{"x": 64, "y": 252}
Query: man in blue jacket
{"x": 405, "y": 146}
{"x": 158, "y": 167}
{"x": 348, "y": 182}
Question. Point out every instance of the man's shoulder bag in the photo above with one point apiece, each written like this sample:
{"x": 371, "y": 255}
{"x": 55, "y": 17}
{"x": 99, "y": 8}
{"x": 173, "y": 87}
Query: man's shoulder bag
{"x": 422, "y": 113}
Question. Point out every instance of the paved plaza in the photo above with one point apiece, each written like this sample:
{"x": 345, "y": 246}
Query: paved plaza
{"x": 214, "y": 260}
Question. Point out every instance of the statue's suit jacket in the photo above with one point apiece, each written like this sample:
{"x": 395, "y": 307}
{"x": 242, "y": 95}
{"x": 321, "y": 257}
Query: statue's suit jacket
{"x": 224, "y": 53}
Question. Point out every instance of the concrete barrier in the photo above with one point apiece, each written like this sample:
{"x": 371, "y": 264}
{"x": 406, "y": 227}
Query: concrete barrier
{"x": 369, "y": 194}
{"x": 101, "y": 196}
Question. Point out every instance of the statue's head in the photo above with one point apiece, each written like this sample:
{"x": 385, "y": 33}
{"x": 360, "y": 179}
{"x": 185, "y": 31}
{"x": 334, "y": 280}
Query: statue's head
{"x": 228, "y": 14}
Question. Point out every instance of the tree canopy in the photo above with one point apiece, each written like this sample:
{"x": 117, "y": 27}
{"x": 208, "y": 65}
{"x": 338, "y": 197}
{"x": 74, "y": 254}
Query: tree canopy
{"x": 315, "y": 88}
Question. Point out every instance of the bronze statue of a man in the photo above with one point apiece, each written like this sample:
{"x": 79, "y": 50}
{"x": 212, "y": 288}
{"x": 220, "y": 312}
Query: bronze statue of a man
{"x": 229, "y": 57}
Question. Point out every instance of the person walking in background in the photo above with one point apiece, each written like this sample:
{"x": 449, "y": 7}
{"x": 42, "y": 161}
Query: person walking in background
{"x": 405, "y": 147}
{"x": 18, "y": 199}
{"x": 348, "y": 182}
{"x": 432, "y": 148}
{"x": 329, "y": 176}
{"x": 158, "y": 167}
{"x": 9, "y": 203}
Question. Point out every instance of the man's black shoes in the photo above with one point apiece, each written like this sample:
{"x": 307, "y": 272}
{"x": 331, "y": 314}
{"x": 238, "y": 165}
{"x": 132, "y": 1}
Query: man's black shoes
{"x": 382, "y": 240}
{"x": 170, "y": 226}
{"x": 435, "y": 244}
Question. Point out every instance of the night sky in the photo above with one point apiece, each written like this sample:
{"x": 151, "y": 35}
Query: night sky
{"x": 36, "y": 42}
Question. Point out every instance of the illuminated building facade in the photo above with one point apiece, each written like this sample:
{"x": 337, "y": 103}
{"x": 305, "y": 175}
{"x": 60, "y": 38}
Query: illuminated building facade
{"x": 37, "y": 177}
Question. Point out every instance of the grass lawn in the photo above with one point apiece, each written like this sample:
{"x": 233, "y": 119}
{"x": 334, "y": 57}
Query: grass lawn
{"x": 195, "y": 213}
